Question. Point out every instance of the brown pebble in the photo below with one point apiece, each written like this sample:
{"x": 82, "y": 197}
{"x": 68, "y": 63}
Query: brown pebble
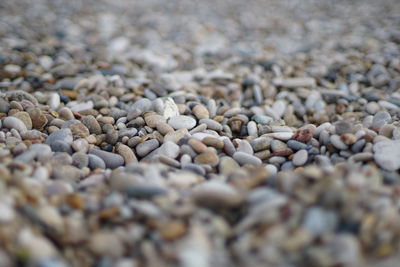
{"x": 197, "y": 145}
{"x": 172, "y": 230}
{"x": 39, "y": 120}
{"x": 214, "y": 142}
{"x": 200, "y": 112}
{"x": 126, "y": 152}
{"x": 207, "y": 157}
{"x": 348, "y": 138}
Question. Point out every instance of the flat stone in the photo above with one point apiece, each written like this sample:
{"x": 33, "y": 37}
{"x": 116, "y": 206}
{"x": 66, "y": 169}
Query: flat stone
{"x": 92, "y": 124}
{"x": 343, "y": 127}
{"x": 61, "y": 146}
{"x": 39, "y": 119}
{"x": 168, "y": 149}
{"x": 200, "y": 112}
{"x": 146, "y": 147}
{"x": 207, "y": 157}
{"x": 24, "y": 117}
{"x": 96, "y": 162}
{"x": 227, "y": 166}
{"x": 212, "y": 124}
{"x": 380, "y": 118}
{"x": 126, "y": 152}
{"x": 64, "y": 135}
{"x": 80, "y": 160}
{"x": 14, "y": 123}
{"x": 111, "y": 160}
{"x": 215, "y": 194}
{"x": 146, "y": 191}
{"x": 244, "y": 158}
{"x": 300, "y": 158}
{"x": 387, "y": 154}
{"x": 182, "y": 121}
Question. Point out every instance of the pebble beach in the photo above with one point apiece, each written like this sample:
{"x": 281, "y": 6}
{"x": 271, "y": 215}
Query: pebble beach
{"x": 200, "y": 133}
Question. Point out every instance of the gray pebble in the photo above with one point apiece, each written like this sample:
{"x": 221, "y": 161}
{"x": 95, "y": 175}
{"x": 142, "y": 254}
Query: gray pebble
{"x": 61, "y": 146}
{"x": 244, "y": 158}
{"x": 62, "y": 135}
{"x": 182, "y": 121}
{"x": 95, "y": 162}
{"x": 14, "y": 123}
{"x": 146, "y": 147}
{"x": 380, "y": 118}
{"x": 300, "y": 157}
{"x": 111, "y": 160}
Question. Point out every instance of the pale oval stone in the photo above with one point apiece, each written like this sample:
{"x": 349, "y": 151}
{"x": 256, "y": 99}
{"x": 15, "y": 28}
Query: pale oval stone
{"x": 300, "y": 158}
{"x": 182, "y": 121}
{"x": 14, "y": 123}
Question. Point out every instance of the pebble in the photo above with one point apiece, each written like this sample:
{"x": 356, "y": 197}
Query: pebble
{"x": 146, "y": 147}
{"x": 216, "y": 194}
{"x": 387, "y": 154}
{"x": 243, "y": 158}
{"x": 64, "y": 135}
{"x": 96, "y": 162}
{"x": 207, "y": 157}
{"x": 227, "y": 166}
{"x": 24, "y": 117}
{"x": 200, "y": 112}
{"x": 337, "y": 142}
{"x": 80, "y": 160}
{"x": 300, "y": 157}
{"x": 14, "y": 123}
{"x": 111, "y": 160}
{"x": 126, "y": 152}
{"x": 182, "y": 121}
{"x": 343, "y": 127}
{"x": 211, "y": 124}
{"x": 380, "y": 118}
{"x": 92, "y": 124}
{"x": 168, "y": 149}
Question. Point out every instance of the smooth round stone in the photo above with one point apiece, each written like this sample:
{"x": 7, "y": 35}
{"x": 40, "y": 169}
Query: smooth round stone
{"x": 153, "y": 120}
{"x": 39, "y": 120}
{"x": 211, "y": 124}
{"x": 287, "y": 166}
{"x": 64, "y": 135}
{"x": 175, "y": 136}
{"x": 300, "y": 158}
{"x": 4, "y": 105}
{"x": 111, "y": 160}
{"x": 54, "y": 101}
{"x": 337, "y": 142}
{"x": 272, "y": 169}
{"x": 61, "y": 146}
{"x": 146, "y": 147}
{"x": 252, "y": 129}
{"x": 380, "y": 118}
{"x": 194, "y": 168}
{"x": 244, "y": 158}
{"x": 127, "y": 153}
{"x": 142, "y": 104}
{"x": 277, "y": 146}
{"x": 200, "y": 112}
{"x": 343, "y": 127}
{"x": 262, "y": 119}
{"x": 244, "y": 146}
{"x": 80, "y": 145}
{"x": 96, "y": 162}
{"x": 14, "y": 123}
{"x": 296, "y": 145}
{"x": 214, "y": 142}
{"x": 80, "y": 160}
{"x": 164, "y": 128}
{"x": 197, "y": 145}
{"x": 182, "y": 121}
{"x": 112, "y": 137}
{"x": 24, "y": 117}
{"x": 66, "y": 114}
{"x": 92, "y": 124}
{"x": 229, "y": 148}
{"x": 79, "y": 129}
{"x": 168, "y": 149}
{"x": 284, "y": 136}
{"x": 260, "y": 143}
{"x": 387, "y": 154}
{"x": 207, "y": 157}
{"x": 227, "y": 165}
{"x": 145, "y": 191}
{"x": 215, "y": 194}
